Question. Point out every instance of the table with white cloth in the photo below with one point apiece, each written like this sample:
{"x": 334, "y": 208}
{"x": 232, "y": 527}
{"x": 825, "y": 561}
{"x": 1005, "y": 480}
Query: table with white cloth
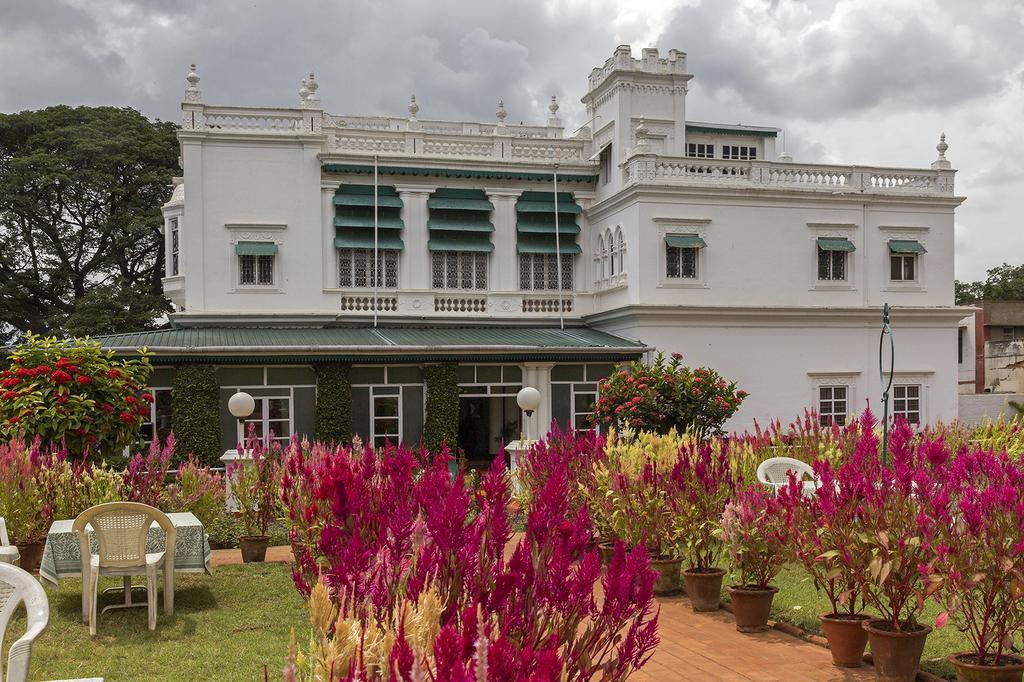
{"x": 62, "y": 557}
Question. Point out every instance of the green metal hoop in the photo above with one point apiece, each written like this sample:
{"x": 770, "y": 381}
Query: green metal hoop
{"x": 887, "y": 386}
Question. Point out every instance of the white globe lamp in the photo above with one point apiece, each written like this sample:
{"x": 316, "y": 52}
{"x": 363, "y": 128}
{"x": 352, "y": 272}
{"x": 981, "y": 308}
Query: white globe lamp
{"x": 529, "y": 400}
{"x": 241, "y": 405}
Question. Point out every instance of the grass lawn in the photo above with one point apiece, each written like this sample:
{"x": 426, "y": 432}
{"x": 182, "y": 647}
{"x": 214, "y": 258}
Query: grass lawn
{"x": 225, "y": 627}
{"x": 797, "y": 602}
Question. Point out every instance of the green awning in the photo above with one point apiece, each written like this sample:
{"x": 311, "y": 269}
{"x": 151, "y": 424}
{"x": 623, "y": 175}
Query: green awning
{"x": 458, "y": 242}
{"x": 546, "y": 226}
{"x": 467, "y": 224}
{"x": 364, "y": 240}
{"x": 383, "y": 201}
{"x": 361, "y": 221}
{"x": 544, "y": 202}
{"x": 460, "y": 204}
{"x": 685, "y": 241}
{"x": 835, "y": 244}
{"x": 566, "y": 248}
{"x": 255, "y": 248}
{"x": 906, "y": 246}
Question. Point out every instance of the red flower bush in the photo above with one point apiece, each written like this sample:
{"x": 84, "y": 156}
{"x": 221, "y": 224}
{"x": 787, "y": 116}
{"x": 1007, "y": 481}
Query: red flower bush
{"x": 660, "y": 397}
{"x": 56, "y": 387}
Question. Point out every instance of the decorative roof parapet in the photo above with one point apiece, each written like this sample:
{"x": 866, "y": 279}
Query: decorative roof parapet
{"x": 941, "y": 147}
{"x": 650, "y": 63}
{"x": 192, "y": 93}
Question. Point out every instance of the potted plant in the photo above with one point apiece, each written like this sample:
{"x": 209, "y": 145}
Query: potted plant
{"x": 256, "y": 493}
{"x": 890, "y": 539}
{"x": 819, "y": 531}
{"x": 978, "y": 563}
{"x": 755, "y": 536}
{"x": 708, "y": 485}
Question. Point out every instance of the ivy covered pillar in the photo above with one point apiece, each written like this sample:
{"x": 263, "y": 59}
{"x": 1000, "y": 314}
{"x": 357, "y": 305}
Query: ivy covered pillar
{"x": 195, "y": 408}
{"x": 333, "y": 403}
{"x": 441, "y": 426}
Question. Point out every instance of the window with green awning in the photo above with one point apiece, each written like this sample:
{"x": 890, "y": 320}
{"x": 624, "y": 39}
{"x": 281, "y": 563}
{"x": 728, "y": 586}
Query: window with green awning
{"x": 835, "y": 244}
{"x": 255, "y": 248}
{"x": 906, "y": 246}
{"x": 354, "y": 217}
{"x": 460, "y": 220}
{"x": 458, "y": 242}
{"x": 685, "y": 241}
{"x": 536, "y": 215}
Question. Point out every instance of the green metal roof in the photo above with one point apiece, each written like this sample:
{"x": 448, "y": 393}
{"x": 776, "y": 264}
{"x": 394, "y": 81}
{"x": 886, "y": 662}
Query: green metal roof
{"x": 365, "y": 344}
{"x": 457, "y": 173}
{"x": 906, "y": 246}
{"x": 835, "y": 244}
{"x": 729, "y": 130}
{"x": 685, "y": 241}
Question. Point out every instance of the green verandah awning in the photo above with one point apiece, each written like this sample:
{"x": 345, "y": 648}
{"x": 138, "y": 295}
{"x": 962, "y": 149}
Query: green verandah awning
{"x": 354, "y": 217}
{"x": 835, "y": 244}
{"x": 906, "y": 246}
{"x": 460, "y": 220}
{"x": 685, "y": 241}
{"x": 255, "y": 248}
{"x": 535, "y": 223}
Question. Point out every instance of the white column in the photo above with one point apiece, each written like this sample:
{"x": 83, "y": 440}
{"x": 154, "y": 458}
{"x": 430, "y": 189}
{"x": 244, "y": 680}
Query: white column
{"x": 538, "y": 375}
{"x": 505, "y": 262}
{"x": 330, "y": 254}
{"x": 414, "y": 263}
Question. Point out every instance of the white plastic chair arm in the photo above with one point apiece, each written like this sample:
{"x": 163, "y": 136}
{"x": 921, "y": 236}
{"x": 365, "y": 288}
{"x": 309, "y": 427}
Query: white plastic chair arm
{"x": 21, "y": 652}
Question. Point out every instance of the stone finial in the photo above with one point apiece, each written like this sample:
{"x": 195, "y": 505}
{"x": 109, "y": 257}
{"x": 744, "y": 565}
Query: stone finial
{"x": 785, "y": 157}
{"x": 941, "y": 147}
{"x": 553, "y": 119}
{"x": 642, "y": 143}
{"x": 303, "y": 92}
{"x": 414, "y": 108}
{"x": 501, "y": 113}
{"x": 192, "y": 94}
{"x": 311, "y": 100}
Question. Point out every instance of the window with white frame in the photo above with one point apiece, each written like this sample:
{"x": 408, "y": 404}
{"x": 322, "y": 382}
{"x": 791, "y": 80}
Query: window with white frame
{"x": 256, "y": 270}
{"x": 620, "y": 249}
{"x": 831, "y": 265}
{"x": 459, "y": 269}
{"x": 385, "y": 419}
{"x": 174, "y": 251}
{"x": 906, "y": 402}
{"x": 739, "y": 153}
{"x": 356, "y": 268}
{"x": 903, "y": 267}
{"x": 681, "y": 262}
{"x": 700, "y": 150}
{"x": 539, "y": 272}
{"x": 613, "y": 254}
{"x": 833, "y": 405}
{"x": 273, "y": 415}
{"x": 158, "y": 422}
{"x": 584, "y": 396}
{"x": 605, "y": 164}
{"x": 601, "y": 258}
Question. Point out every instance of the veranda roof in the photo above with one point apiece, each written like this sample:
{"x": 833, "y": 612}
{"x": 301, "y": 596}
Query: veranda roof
{"x": 249, "y": 345}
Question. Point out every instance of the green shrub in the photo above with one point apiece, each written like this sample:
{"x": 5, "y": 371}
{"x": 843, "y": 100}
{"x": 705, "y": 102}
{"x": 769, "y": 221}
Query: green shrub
{"x": 74, "y": 394}
{"x": 195, "y": 406}
{"x": 441, "y": 426}
{"x": 333, "y": 403}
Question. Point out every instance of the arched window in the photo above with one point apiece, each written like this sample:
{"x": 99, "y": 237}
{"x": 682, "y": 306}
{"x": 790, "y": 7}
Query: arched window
{"x": 612, "y": 254}
{"x": 599, "y": 258}
{"x": 620, "y": 247}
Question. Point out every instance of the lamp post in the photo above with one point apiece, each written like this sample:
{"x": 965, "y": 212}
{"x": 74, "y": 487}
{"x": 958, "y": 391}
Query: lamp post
{"x": 529, "y": 400}
{"x": 241, "y": 405}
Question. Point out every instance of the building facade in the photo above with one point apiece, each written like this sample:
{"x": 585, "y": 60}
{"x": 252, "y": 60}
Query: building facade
{"x": 532, "y": 254}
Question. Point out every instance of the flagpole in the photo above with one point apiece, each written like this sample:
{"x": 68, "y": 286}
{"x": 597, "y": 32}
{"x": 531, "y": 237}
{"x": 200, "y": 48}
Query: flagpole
{"x": 558, "y": 254}
{"x": 376, "y": 263}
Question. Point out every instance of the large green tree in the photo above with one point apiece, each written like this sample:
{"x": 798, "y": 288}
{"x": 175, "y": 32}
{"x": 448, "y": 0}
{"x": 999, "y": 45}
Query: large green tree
{"x": 1002, "y": 283}
{"x": 80, "y": 196}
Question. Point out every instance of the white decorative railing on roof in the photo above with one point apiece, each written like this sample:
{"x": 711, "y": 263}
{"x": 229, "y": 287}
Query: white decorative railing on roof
{"x": 649, "y": 168}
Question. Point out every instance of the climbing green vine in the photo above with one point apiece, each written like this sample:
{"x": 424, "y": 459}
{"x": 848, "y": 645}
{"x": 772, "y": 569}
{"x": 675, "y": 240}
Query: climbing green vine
{"x": 333, "y": 403}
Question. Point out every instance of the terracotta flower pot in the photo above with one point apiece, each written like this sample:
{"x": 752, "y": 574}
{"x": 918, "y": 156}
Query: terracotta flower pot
{"x": 704, "y": 587}
{"x": 846, "y": 637}
{"x": 751, "y": 606}
{"x": 254, "y": 547}
{"x": 1010, "y": 668}
{"x": 31, "y": 556}
{"x": 669, "y": 580}
{"x": 896, "y": 654}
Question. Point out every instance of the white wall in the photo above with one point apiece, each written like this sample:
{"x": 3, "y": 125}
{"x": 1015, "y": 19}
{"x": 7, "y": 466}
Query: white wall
{"x": 980, "y": 407}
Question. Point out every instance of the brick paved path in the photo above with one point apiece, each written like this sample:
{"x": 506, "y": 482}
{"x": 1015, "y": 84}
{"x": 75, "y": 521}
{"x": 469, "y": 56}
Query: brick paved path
{"x": 702, "y": 647}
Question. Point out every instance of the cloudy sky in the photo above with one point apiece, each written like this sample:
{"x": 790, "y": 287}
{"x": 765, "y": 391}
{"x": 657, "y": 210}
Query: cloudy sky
{"x": 852, "y": 81}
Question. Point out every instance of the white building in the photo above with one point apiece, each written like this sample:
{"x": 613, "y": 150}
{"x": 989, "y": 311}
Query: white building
{"x": 672, "y": 234}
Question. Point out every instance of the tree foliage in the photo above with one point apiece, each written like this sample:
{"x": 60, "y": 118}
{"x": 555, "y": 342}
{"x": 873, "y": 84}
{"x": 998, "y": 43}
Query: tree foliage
{"x": 1002, "y": 283}
{"x": 80, "y": 196}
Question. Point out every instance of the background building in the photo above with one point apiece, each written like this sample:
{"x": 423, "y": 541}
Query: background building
{"x": 528, "y": 254}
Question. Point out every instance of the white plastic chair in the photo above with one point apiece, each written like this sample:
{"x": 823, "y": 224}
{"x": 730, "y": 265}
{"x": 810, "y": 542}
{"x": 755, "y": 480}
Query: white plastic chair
{"x": 774, "y": 472}
{"x": 17, "y": 586}
{"x": 120, "y": 529}
{"x": 8, "y": 553}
